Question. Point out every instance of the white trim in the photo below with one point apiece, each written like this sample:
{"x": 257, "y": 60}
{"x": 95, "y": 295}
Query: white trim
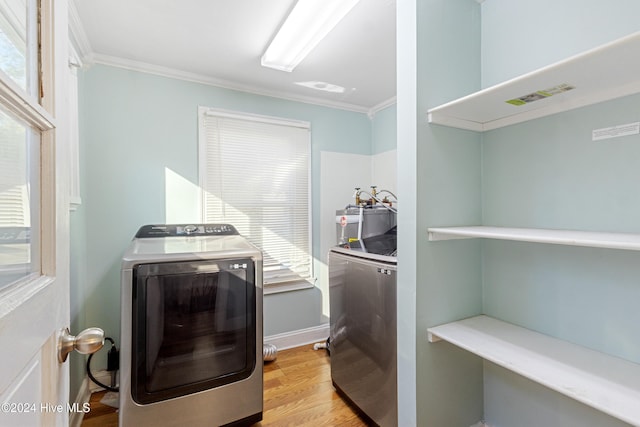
{"x": 83, "y": 396}
{"x": 74, "y": 132}
{"x": 102, "y": 376}
{"x": 592, "y": 239}
{"x": 201, "y": 162}
{"x": 74, "y": 203}
{"x": 276, "y": 288}
{"x": 239, "y": 115}
{"x": 173, "y": 73}
{"x": 384, "y": 104}
{"x": 80, "y": 41}
{"x": 77, "y": 34}
{"x": 299, "y": 338}
{"x": 23, "y": 106}
{"x": 16, "y": 294}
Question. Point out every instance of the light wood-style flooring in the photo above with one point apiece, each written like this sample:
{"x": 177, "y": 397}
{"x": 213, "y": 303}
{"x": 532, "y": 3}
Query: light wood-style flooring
{"x": 297, "y": 392}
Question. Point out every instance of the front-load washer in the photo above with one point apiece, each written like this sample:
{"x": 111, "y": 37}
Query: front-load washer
{"x": 191, "y": 328}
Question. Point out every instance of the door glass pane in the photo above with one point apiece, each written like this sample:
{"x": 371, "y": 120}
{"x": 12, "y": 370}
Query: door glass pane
{"x": 193, "y": 328}
{"x": 196, "y": 329}
{"x": 18, "y": 43}
{"x": 19, "y": 200}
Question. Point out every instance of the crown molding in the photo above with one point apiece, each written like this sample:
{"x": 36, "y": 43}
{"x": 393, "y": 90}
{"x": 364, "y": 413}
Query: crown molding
{"x": 173, "y": 73}
{"x": 85, "y": 54}
{"x": 384, "y": 104}
{"x": 78, "y": 36}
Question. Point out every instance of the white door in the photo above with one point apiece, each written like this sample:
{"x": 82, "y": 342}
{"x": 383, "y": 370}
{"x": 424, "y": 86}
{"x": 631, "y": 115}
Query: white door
{"x": 34, "y": 212}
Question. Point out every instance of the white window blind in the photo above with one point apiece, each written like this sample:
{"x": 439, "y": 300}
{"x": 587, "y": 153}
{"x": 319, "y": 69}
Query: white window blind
{"x": 255, "y": 175}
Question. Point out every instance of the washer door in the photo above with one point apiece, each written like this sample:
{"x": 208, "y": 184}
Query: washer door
{"x": 194, "y": 327}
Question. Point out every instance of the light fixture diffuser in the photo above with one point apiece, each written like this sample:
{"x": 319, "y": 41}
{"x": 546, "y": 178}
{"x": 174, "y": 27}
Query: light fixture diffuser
{"x": 323, "y": 86}
{"x": 308, "y": 23}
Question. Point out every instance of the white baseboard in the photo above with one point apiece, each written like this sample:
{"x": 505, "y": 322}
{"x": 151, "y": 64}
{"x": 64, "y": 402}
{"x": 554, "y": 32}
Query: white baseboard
{"x": 84, "y": 394}
{"x": 281, "y": 341}
{"x": 298, "y": 338}
{"x": 103, "y": 376}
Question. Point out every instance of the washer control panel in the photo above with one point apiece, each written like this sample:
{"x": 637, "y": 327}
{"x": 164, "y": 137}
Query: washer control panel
{"x": 173, "y": 230}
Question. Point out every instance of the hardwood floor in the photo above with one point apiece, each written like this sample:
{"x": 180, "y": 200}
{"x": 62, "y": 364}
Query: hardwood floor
{"x": 297, "y": 392}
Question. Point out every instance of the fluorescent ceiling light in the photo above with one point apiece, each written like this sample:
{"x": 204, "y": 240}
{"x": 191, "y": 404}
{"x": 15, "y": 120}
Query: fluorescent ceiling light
{"x": 308, "y": 23}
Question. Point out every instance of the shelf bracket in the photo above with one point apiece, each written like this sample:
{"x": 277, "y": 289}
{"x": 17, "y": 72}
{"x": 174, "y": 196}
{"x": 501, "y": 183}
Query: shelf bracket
{"x": 431, "y": 337}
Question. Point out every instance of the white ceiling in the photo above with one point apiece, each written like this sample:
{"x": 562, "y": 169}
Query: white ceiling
{"x": 221, "y": 42}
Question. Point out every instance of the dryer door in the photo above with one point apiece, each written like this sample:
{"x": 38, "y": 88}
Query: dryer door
{"x": 194, "y": 327}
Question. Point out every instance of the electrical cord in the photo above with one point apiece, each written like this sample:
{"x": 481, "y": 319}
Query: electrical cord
{"x": 112, "y": 363}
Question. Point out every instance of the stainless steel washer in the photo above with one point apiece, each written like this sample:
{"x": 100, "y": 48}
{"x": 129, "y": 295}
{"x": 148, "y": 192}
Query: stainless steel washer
{"x": 191, "y": 328}
{"x": 362, "y": 295}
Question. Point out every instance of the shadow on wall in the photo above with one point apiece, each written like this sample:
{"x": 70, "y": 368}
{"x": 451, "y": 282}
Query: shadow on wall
{"x": 283, "y": 311}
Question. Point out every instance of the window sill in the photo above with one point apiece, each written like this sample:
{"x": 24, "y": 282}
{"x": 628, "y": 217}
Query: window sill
{"x": 20, "y": 291}
{"x": 276, "y": 288}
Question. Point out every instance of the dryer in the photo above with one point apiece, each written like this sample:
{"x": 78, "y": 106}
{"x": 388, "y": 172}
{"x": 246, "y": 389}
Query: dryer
{"x": 191, "y": 328}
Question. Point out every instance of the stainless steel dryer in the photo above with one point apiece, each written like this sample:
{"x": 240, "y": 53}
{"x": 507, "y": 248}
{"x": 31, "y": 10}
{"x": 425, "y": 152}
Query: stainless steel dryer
{"x": 191, "y": 328}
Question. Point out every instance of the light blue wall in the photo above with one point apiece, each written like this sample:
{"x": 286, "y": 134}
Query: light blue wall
{"x": 134, "y": 128}
{"x": 448, "y": 276}
{"x": 77, "y": 310}
{"x": 548, "y": 173}
{"x": 439, "y": 184}
{"x": 583, "y": 295}
{"x": 519, "y": 36}
{"x": 384, "y": 130}
{"x": 545, "y": 173}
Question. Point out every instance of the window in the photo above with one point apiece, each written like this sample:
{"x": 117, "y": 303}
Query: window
{"x": 18, "y": 43}
{"x": 19, "y": 196}
{"x": 255, "y": 175}
{"x": 23, "y": 129}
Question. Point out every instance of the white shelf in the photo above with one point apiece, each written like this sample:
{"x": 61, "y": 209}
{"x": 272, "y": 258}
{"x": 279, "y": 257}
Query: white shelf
{"x": 607, "y": 383}
{"x": 601, "y": 74}
{"x": 592, "y": 239}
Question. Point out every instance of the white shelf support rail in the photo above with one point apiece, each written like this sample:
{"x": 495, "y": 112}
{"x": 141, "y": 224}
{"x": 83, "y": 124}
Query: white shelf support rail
{"x": 594, "y": 239}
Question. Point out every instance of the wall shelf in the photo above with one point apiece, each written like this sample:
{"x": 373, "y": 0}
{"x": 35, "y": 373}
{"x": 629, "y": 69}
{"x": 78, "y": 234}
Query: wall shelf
{"x": 601, "y": 74}
{"x": 627, "y": 241}
{"x": 607, "y": 383}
